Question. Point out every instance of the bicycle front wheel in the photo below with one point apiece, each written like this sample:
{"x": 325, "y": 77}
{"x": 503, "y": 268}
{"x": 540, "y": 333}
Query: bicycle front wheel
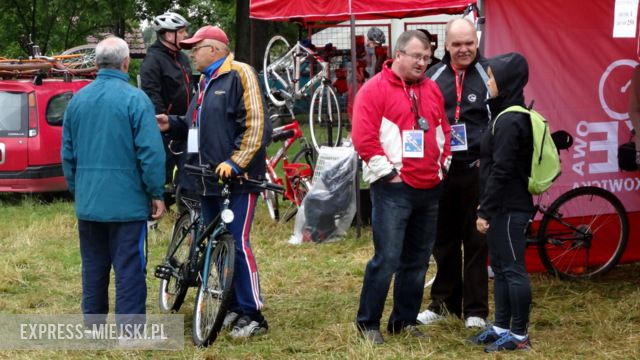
{"x": 271, "y": 200}
{"x": 212, "y": 300}
{"x": 583, "y": 233}
{"x": 173, "y": 290}
{"x": 325, "y": 112}
{"x": 277, "y": 70}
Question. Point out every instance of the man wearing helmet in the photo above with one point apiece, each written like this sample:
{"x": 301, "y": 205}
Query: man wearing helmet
{"x": 165, "y": 76}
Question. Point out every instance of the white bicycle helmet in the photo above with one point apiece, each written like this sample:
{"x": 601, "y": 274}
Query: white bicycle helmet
{"x": 376, "y": 35}
{"x": 169, "y": 21}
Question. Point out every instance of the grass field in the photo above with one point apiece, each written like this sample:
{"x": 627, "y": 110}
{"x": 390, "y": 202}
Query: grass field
{"x": 311, "y": 296}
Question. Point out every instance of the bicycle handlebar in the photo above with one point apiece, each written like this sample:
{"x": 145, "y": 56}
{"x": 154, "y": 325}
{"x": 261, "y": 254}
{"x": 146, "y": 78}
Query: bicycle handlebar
{"x": 206, "y": 171}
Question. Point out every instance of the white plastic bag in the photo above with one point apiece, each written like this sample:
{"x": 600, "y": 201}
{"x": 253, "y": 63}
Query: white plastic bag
{"x": 328, "y": 209}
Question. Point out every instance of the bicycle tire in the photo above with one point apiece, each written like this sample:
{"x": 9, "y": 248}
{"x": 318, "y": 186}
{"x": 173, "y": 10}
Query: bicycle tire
{"x": 579, "y": 246}
{"x": 82, "y": 65}
{"x": 18, "y": 66}
{"x": 432, "y": 270}
{"x": 271, "y": 200}
{"x": 325, "y": 110}
{"x": 305, "y": 155}
{"x": 301, "y": 187}
{"x": 272, "y": 53}
{"x": 211, "y": 303}
{"x": 173, "y": 291}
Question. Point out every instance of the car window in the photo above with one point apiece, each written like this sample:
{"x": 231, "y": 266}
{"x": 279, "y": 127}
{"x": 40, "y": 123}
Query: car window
{"x": 56, "y": 107}
{"x": 13, "y": 117}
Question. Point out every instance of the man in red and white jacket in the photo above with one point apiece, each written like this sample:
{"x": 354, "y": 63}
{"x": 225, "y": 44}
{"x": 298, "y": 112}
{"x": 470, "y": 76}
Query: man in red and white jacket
{"x": 401, "y": 132}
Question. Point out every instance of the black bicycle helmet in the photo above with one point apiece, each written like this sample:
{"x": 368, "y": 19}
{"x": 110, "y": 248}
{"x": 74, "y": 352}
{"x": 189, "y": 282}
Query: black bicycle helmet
{"x": 169, "y": 21}
{"x": 375, "y": 34}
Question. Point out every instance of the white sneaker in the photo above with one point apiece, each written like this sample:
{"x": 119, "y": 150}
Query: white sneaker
{"x": 475, "y": 322}
{"x": 246, "y": 327}
{"x": 428, "y": 317}
{"x": 230, "y": 319}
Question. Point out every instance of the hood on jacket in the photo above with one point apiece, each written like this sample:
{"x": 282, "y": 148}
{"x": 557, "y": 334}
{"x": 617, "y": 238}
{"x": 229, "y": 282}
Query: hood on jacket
{"x": 511, "y": 73}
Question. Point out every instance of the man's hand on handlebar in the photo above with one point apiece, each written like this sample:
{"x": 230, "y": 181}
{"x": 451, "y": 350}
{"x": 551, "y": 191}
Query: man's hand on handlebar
{"x": 225, "y": 170}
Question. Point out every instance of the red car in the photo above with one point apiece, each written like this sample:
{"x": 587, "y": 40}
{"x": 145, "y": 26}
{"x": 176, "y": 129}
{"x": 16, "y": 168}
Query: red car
{"x": 31, "y": 133}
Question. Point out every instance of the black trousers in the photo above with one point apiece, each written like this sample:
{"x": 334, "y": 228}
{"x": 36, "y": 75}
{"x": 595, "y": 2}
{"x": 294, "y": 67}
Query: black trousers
{"x": 460, "y": 288}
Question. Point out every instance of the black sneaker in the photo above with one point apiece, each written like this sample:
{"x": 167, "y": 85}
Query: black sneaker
{"x": 413, "y": 331}
{"x": 509, "y": 342}
{"x": 372, "y": 335}
{"x": 486, "y": 336}
{"x": 246, "y": 327}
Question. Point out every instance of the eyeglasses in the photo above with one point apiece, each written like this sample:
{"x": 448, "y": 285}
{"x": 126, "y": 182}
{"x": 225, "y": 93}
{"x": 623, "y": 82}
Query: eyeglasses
{"x": 417, "y": 57}
{"x": 196, "y": 48}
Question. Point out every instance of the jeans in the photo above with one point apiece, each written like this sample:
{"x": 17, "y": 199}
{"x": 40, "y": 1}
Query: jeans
{"x": 404, "y": 226}
{"x": 512, "y": 291}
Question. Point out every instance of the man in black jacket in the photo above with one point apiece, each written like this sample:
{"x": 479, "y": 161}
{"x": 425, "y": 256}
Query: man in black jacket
{"x": 461, "y": 289}
{"x": 165, "y": 76}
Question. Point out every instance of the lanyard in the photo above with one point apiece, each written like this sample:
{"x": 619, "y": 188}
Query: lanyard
{"x": 413, "y": 102}
{"x": 459, "y": 81}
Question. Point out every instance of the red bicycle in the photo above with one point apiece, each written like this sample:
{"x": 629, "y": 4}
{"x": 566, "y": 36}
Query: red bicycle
{"x": 297, "y": 173}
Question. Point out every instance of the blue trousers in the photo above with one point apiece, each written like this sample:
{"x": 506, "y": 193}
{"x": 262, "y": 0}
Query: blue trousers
{"x": 511, "y": 288}
{"x": 404, "y": 226}
{"x": 246, "y": 282}
{"x": 117, "y": 244}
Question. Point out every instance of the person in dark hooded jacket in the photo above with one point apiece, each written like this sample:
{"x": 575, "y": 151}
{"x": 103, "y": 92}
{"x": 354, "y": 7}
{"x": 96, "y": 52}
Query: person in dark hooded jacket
{"x": 505, "y": 203}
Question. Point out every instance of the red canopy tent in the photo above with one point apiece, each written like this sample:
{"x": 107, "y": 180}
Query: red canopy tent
{"x": 342, "y": 10}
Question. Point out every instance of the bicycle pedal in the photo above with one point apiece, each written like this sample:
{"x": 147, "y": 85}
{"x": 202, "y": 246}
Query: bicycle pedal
{"x": 163, "y": 272}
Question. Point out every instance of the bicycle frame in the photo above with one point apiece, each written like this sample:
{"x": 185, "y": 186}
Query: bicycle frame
{"x": 200, "y": 234}
{"x": 299, "y": 54}
{"x": 292, "y": 170}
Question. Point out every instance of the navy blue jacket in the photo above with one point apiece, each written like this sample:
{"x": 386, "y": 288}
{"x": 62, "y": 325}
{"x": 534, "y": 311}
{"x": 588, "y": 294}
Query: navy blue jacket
{"x": 231, "y": 125}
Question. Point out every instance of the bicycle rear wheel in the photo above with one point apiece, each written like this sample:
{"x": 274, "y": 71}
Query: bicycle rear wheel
{"x": 212, "y": 300}
{"x": 301, "y": 187}
{"x": 173, "y": 290}
{"x": 325, "y": 112}
{"x": 277, "y": 70}
{"x": 84, "y": 63}
{"x": 583, "y": 233}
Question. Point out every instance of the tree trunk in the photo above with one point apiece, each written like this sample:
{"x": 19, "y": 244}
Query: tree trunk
{"x": 251, "y": 36}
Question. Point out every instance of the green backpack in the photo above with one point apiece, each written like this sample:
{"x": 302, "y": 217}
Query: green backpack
{"x": 545, "y": 162}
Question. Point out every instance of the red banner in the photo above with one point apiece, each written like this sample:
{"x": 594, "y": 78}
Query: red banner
{"x": 579, "y": 78}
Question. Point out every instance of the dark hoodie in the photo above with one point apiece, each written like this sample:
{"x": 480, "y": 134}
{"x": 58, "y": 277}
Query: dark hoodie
{"x": 505, "y": 155}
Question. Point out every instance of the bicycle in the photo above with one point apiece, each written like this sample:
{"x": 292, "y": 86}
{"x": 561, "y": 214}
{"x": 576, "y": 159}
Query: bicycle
{"x": 202, "y": 255}
{"x": 575, "y": 232}
{"x": 282, "y": 68}
{"x": 298, "y": 173}
{"x": 79, "y": 60}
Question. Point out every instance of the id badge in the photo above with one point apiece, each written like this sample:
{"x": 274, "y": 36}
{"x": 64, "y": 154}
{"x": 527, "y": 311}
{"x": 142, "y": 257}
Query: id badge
{"x": 459, "y": 137}
{"x": 192, "y": 140}
{"x": 413, "y": 143}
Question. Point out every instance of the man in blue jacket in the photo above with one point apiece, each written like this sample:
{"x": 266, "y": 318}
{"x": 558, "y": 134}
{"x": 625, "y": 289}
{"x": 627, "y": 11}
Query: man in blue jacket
{"x": 225, "y": 127}
{"x": 113, "y": 162}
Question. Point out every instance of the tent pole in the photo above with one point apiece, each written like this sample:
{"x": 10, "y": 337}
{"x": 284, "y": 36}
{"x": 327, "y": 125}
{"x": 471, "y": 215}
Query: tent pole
{"x": 354, "y": 90}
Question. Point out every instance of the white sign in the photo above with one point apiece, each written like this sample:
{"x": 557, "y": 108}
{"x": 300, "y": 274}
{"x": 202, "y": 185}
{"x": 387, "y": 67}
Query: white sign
{"x": 625, "y": 19}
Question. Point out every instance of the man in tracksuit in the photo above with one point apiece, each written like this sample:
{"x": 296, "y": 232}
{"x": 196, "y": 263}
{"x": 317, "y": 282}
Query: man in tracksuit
{"x": 226, "y": 127}
{"x": 113, "y": 163}
{"x": 461, "y": 288}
